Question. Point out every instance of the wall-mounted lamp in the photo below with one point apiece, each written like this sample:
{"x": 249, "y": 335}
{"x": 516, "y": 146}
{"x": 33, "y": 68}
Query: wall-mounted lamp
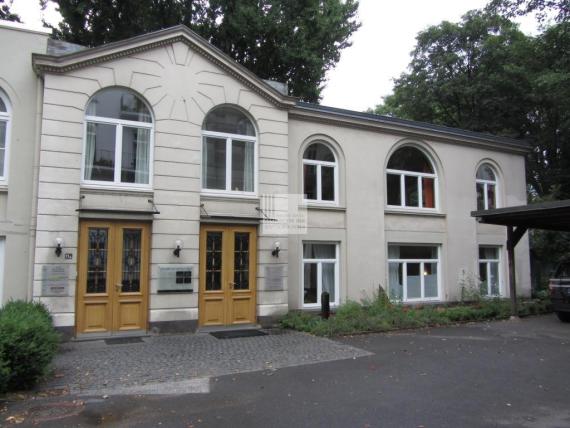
{"x": 276, "y": 249}
{"x": 58, "y": 246}
{"x": 178, "y": 244}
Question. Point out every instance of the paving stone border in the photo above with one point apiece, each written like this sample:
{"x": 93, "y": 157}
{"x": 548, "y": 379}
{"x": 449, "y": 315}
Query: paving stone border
{"x": 96, "y": 366}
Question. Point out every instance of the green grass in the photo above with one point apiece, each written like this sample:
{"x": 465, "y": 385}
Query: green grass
{"x": 378, "y": 315}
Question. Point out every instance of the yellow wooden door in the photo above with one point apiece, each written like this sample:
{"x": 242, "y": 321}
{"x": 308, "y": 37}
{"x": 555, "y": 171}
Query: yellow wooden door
{"x": 112, "y": 280}
{"x": 227, "y": 275}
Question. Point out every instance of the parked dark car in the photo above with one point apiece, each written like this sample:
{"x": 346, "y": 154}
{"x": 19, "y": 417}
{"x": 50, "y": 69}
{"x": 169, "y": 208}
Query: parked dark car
{"x": 560, "y": 291}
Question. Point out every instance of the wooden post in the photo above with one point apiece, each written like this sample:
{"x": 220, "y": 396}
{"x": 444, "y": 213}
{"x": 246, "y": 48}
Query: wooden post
{"x": 512, "y": 271}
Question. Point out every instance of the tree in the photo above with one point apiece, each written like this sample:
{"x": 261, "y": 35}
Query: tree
{"x": 295, "y": 42}
{"x": 5, "y": 12}
{"x": 469, "y": 75}
{"x": 542, "y": 8}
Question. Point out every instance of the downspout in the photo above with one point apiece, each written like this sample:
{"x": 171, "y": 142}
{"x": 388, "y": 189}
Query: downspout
{"x": 35, "y": 184}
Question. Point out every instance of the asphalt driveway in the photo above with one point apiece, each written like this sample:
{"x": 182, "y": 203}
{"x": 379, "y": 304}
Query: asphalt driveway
{"x": 499, "y": 374}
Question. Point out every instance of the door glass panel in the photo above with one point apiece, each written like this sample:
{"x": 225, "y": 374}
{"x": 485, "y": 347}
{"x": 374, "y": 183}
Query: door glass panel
{"x": 483, "y": 284}
{"x": 310, "y": 283}
{"x": 414, "y": 281}
{"x": 394, "y": 190}
{"x": 214, "y": 163}
{"x": 131, "y": 261}
{"x": 396, "y": 281}
{"x": 100, "y": 152}
{"x": 412, "y": 197}
{"x": 241, "y": 261}
{"x": 328, "y": 280}
{"x": 430, "y": 279}
{"x": 97, "y": 260}
{"x": 327, "y": 183}
{"x": 213, "y": 261}
{"x": 242, "y": 166}
{"x": 310, "y": 181}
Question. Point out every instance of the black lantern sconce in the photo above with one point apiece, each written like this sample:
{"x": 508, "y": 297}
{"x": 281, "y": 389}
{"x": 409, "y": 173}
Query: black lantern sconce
{"x": 276, "y": 249}
{"x": 178, "y": 247}
{"x": 58, "y": 246}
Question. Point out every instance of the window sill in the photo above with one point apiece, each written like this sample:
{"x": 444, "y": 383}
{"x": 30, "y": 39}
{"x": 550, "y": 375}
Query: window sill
{"x": 414, "y": 212}
{"x": 97, "y": 188}
{"x": 225, "y": 196}
{"x": 326, "y": 207}
{"x": 3, "y": 187}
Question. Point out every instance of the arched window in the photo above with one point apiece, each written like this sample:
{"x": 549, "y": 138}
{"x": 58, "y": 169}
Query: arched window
{"x": 118, "y": 139}
{"x": 411, "y": 180}
{"x": 228, "y": 152}
{"x": 320, "y": 172}
{"x": 5, "y": 117}
{"x": 486, "y": 186}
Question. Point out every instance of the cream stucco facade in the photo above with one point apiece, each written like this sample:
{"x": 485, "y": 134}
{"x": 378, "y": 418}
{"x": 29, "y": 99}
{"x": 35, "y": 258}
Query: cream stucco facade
{"x": 181, "y": 78}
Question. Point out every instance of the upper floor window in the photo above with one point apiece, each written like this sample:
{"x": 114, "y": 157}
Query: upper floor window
{"x": 320, "y": 174}
{"x": 4, "y": 134}
{"x": 118, "y": 136}
{"x": 411, "y": 180}
{"x": 486, "y": 186}
{"x": 228, "y": 152}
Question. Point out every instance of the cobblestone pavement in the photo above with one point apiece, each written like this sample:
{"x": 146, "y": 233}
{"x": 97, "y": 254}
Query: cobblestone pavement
{"x": 96, "y": 366}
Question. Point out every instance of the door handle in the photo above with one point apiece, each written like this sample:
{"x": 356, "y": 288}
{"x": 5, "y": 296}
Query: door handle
{"x": 119, "y": 287}
{"x": 232, "y": 285}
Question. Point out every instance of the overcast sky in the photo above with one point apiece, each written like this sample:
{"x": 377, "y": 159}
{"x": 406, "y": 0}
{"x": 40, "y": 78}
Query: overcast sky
{"x": 380, "y": 50}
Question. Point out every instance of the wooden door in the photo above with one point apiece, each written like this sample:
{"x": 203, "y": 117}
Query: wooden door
{"x": 227, "y": 275}
{"x": 112, "y": 280}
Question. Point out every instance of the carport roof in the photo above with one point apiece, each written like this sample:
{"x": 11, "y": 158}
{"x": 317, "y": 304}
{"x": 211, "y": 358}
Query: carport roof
{"x": 553, "y": 215}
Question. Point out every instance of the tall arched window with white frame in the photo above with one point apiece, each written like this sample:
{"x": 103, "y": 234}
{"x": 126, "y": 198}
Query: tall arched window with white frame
{"x": 320, "y": 174}
{"x": 229, "y": 160}
{"x": 486, "y": 187}
{"x": 5, "y": 120}
{"x": 411, "y": 180}
{"x": 118, "y": 140}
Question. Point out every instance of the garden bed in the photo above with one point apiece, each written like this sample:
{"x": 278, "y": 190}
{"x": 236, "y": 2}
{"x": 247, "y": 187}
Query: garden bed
{"x": 380, "y": 315}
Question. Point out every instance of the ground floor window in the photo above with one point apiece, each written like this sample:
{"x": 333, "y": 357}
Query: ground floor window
{"x": 320, "y": 273}
{"x": 413, "y": 272}
{"x": 489, "y": 271}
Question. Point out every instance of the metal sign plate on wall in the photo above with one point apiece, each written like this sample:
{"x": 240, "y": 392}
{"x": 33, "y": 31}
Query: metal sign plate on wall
{"x": 55, "y": 280}
{"x": 274, "y": 276}
{"x": 175, "y": 278}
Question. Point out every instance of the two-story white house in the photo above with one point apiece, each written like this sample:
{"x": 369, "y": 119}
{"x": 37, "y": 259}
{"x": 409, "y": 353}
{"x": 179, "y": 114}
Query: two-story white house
{"x": 133, "y": 176}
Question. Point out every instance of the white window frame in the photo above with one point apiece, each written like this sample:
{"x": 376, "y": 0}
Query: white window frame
{"x": 7, "y": 118}
{"x": 437, "y": 261}
{"x": 488, "y": 263}
{"x": 119, "y": 124}
{"x": 419, "y": 176}
{"x": 486, "y": 184}
{"x": 319, "y": 164}
{"x": 2, "y": 265}
{"x": 319, "y": 263}
{"x": 229, "y": 141}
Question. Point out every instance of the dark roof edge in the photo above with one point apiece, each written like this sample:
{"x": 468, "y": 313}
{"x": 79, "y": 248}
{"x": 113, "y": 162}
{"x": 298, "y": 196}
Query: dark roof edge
{"x": 510, "y": 143}
{"x": 521, "y": 209}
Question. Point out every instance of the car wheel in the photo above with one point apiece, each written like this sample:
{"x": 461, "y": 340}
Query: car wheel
{"x": 563, "y": 316}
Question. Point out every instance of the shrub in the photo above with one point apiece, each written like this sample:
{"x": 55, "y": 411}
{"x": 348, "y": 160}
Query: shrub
{"x": 377, "y": 314}
{"x": 28, "y": 343}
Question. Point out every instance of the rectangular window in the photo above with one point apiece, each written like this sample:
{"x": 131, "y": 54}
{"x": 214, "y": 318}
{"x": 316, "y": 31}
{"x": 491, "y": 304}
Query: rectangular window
{"x": 410, "y": 190}
{"x": 228, "y": 164}
{"x": 320, "y": 273}
{"x": 2, "y": 244}
{"x": 413, "y": 272}
{"x": 489, "y": 271}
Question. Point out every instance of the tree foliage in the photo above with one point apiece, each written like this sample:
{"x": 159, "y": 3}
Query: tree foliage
{"x": 5, "y": 12}
{"x": 558, "y": 9}
{"x": 291, "y": 41}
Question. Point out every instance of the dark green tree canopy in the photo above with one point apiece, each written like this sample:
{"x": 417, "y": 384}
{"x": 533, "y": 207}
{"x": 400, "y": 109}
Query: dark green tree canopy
{"x": 558, "y": 9}
{"x": 5, "y": 12}
{"x": 295, "y": 42}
